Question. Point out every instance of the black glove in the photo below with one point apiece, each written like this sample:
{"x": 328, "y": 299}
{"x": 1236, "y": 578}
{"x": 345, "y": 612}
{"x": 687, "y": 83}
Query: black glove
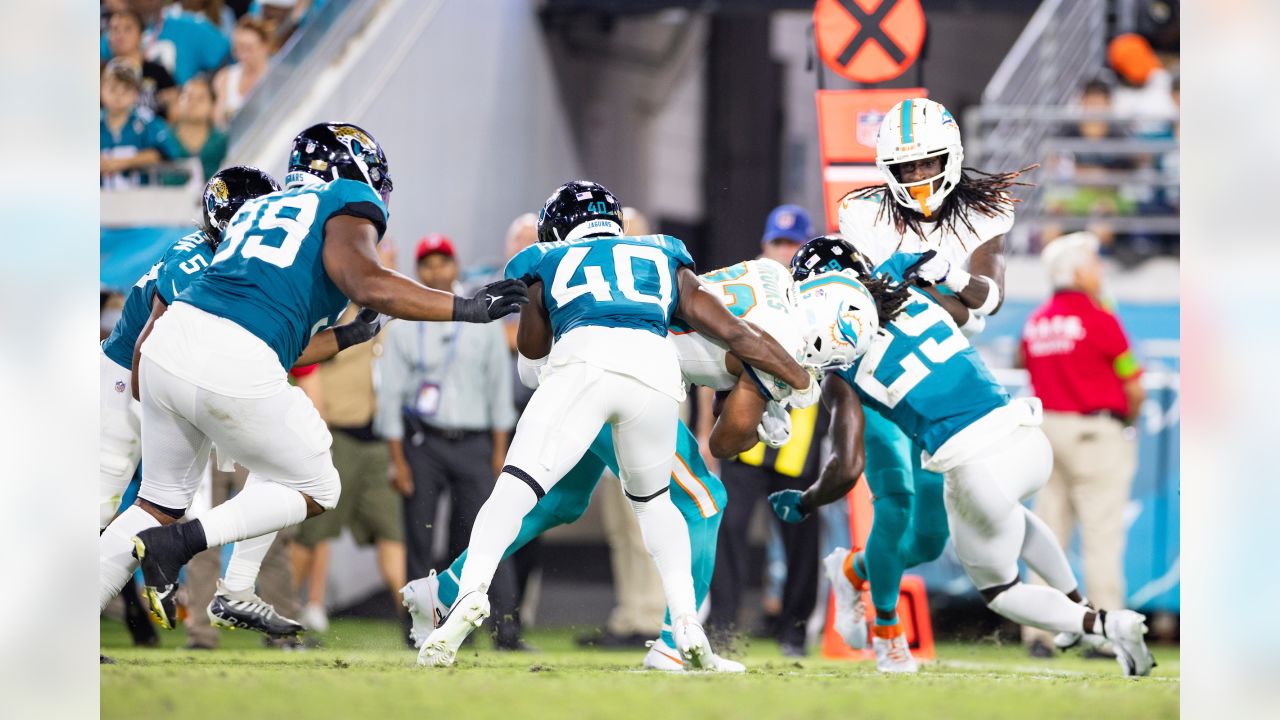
{"x": 494, "y": 301}
{"x": 362, "y": 329}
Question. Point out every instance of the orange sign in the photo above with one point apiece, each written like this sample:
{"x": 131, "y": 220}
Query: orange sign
{"x": 869, "y": 41}
{"x": 848, "y": 121}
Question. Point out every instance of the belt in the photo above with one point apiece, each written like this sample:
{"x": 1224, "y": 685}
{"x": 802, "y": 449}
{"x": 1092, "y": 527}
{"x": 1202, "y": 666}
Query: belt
{"x": 455, "y": 435}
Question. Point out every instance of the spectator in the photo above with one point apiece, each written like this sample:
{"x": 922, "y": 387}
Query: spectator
{"x": 1092, "y": 200}
{"x": 754, "y": 474}
{"x": 131, "y": 138}
{"x": 184, "y": 43}
{"x": 1145, "y": 90}
{"x": 215, "y": 11}
{"x": 283, "y": 17}
{"x": 250, "y": 45}
{"x": 194, "y": 128}
{"x": 124, "y": 38}
{"x": 639, "y": 604}
{"x": 446, "y": 409}
{"x": 1082, "y": 369}
{"x": 369, "y": 506}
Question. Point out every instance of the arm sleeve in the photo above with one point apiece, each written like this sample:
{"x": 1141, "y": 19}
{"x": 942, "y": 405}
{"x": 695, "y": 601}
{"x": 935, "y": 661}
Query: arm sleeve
{"x": 679, "y": 252}
{"x": 357, "y": 199}
{"x": 502, "y": 408}
{"x": 392, "y": 375}
{"x": 524, "y": 265}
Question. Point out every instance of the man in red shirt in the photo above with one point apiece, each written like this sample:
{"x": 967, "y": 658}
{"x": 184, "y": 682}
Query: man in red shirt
{"x": 1082, "y": 369}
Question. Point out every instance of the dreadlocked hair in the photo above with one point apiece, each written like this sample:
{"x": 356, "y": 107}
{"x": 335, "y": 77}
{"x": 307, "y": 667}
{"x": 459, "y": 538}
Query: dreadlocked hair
{"x": 890, "y": 297}
{"x": 983, "y": 192}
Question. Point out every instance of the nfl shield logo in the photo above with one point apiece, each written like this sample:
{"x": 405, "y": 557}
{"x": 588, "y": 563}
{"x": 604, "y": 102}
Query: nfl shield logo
{"x": 120, "y": 386}
{"x": 868, "y": 126}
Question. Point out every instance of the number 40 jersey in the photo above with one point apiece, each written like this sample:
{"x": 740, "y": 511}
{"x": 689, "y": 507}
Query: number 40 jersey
{"x": 610, "y": 299}
{"x": 268, "y": 275}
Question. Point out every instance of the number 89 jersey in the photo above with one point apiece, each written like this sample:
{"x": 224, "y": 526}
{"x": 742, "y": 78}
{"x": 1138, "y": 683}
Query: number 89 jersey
{"x": 922, "y": 373}
{"x": 605, "y": 281}
{"x": 268, "y": 274}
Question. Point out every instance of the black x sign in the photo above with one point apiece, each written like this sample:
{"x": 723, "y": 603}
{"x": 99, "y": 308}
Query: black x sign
{"x": 869, "y": 29}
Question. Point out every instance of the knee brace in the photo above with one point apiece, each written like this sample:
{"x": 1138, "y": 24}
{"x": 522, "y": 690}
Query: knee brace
{"x": 991, "y": 595}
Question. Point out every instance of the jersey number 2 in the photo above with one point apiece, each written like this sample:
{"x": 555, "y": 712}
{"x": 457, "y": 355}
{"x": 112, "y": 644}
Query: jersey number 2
{"x": 266, "y": 216}
{"x": 599, "y": 288}
{"x": 914, "y": 369}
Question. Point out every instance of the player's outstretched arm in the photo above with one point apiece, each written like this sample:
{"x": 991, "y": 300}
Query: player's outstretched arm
{"x": 157, "y": 309}
{"x": 984, "y": 292}
{"x": 735, "y": 430}
{"x": 843, "y": 468}
{"x": 704, "y": 313}
{"x": 351, "y": 261}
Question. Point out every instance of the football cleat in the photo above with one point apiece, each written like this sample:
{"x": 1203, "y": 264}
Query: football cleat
{"x": 851, "y": 615}
{"x": 314, "y": 618}
{"x": 156, "y": 550}
{"x": 662, "y": 656}
{"x": 468, "y": 613}
{"x": 1126, "y": 630}
{"x": 421, "y": 598}
{"x": 245, "y": 610}
{"x": 893, "y": 655}
{"x": 691, "y": 641}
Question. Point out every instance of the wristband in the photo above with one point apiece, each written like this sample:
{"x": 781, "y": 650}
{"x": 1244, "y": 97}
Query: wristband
{"x": 974, "y": 325}
{"x": 989, "y": 305}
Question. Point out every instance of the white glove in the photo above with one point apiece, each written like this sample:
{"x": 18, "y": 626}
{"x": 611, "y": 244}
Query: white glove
{"x": 774, "y": 429}
{"x": 803, "y": 398}
{"x": 934, "y": 270}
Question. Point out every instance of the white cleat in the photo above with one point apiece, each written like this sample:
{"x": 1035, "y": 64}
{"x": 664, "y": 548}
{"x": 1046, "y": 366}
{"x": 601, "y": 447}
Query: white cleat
{"x": 893, "y": 655}
{"x": 1126, "y": 630}
{"x": 441, "y": 646}
{"x": 692, "y": 643}
{"x": 421, "y": 598}
{"x": 662, "y": 656}
{"x": 851, "y": 615}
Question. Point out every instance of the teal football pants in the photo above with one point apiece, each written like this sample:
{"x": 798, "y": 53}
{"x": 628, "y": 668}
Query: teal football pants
{"x": 910, "y": 524}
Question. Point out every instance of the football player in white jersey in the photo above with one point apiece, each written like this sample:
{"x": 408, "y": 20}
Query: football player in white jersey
{"x": 927, "y": 204}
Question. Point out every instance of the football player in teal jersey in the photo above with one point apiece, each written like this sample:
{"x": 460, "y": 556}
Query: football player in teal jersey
{"x": 606, "y": 300}
{"x": 213, "y": 370}
{"x": 923, "y": 375}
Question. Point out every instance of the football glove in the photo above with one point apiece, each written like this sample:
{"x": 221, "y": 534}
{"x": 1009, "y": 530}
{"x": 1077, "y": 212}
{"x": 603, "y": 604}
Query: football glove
{"x": 363, "y": 328}
{"x": 801, "y": 399}
{"x": 786, "y": 505}
{"x": 495, "y": 300}
{"x": 774, "y": 429}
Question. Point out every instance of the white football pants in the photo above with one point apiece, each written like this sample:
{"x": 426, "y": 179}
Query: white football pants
{"x": 119, "y": 439}
{"x": 280, "y": 438}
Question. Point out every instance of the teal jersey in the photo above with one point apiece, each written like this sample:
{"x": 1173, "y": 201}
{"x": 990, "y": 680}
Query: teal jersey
{"x": 927, "y": 378}
{"x": 606, "y": 281}
{"x": 268, "y": 275}
{"x": 178, "y": 267}
{"x": 185, "y": 43}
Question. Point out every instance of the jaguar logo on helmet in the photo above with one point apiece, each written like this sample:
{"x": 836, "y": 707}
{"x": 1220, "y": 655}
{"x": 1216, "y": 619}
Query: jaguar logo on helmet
{"x": 349, "y": 132}
{"x": 218, "y": 188}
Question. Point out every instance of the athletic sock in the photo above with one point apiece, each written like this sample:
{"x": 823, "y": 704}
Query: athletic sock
{"x": 666, "y": 537}
{"x": 496, "y": 526}
{"x": 246, "y": 561}
{"x": 1039, "y": 606}
{"x": 115, "y": 548}
{"x": 886, "y": 621}
{"x": 1041, "y": 552}
{"x": 261, "y": 507}
{"x": 855, "y": 570}
{"x": 1095, "y": 622}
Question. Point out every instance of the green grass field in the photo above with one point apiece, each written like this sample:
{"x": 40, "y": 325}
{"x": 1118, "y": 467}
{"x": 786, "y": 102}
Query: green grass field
{"x": 364, "y": 671}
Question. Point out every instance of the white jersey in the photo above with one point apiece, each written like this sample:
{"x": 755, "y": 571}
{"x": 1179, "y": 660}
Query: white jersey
{"x": 872, "y": 232}
{"x": 759, "y": 291}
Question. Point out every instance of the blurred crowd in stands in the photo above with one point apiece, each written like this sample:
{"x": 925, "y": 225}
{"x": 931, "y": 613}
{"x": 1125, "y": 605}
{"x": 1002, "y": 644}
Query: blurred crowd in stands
{"x": 1120, "y": 159}
{"x": 174, "y": 75}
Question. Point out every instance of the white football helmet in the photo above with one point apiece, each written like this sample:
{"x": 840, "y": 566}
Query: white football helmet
{"x": 913, "y": 130}
{"x": 841, "y": 317}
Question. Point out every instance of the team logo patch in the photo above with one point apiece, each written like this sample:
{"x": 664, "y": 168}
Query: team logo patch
{"x": 120, "y": 386}
{"x": 786, "y": 220}
{"x": 346, "y": 132}
{"x": 868, "y": 126}
{"x": 948, "y": 118}
{"x": 585, "y": 195}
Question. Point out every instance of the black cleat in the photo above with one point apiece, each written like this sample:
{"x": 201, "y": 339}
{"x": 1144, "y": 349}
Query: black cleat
{"x": 245, "y": 610}
{"x": 160, "y": 557}
{"x": 137, "y": 618}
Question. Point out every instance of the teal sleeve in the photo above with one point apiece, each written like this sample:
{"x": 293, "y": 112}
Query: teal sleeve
{"x": 676, "y": 247}
{"x": 524, "y": 264}
{"x": 214, "y": 46}
{"x": 355, "y": 198}
{"x": 897, "y": 264}
{"x": 180, "y": 269}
